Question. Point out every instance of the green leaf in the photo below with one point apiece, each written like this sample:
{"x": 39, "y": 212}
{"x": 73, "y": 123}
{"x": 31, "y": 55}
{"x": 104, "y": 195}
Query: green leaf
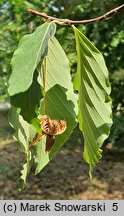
{"x": 61, "y": 101}
{"x": 29, "y": 102}
{"x": 92, "y": 83}
{"x": 23, "y": 134}
{"x": 24, "y": 173}
{"x": 21, "y": 128}
{"x": 41, "y": 157}
{"x": 32, "y": 49}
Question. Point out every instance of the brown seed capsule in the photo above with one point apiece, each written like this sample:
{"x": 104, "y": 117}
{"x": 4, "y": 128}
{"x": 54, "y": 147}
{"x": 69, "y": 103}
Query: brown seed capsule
{"x": 50, "y": 128}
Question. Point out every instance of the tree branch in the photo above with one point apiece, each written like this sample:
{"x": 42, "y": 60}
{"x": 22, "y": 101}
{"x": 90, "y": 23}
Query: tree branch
{"x": 106, "y": 16}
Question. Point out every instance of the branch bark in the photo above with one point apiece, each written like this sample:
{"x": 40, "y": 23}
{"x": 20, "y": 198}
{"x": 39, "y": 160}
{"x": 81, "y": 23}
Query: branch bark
{"x": 106, "y": 16}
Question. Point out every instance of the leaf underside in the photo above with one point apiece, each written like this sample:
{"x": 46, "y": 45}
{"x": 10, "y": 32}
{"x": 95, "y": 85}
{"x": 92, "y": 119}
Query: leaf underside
{"x": 22, "y": 134}
{"x": 92, "y": 83}
{"x": 28, "y": 102}
{"x": 61, "y": 102}
{"x": 24, "y": 90}
{"x": 31, "y": 50}
{"x": 41, "y": 156}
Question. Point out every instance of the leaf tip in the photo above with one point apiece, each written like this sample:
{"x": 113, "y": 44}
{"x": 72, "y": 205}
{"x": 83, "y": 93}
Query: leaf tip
{"x": 91, "y": 172}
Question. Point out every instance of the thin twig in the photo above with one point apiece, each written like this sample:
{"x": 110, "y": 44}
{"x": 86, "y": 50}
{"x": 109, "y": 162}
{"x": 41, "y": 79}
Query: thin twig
{"x": 44, "y": 67}
{"x": 106, "y": 16}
